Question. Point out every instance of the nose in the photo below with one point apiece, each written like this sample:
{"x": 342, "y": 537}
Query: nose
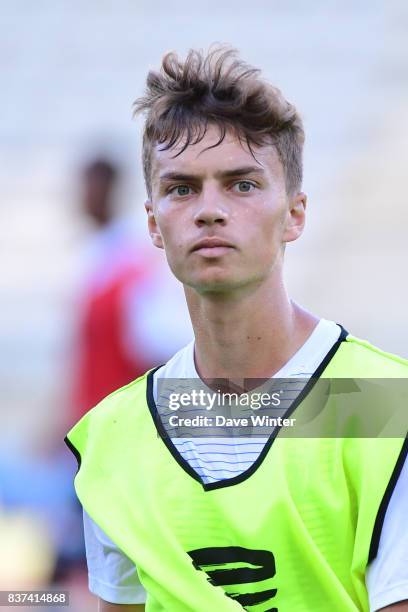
{"x": 211, "y": 209}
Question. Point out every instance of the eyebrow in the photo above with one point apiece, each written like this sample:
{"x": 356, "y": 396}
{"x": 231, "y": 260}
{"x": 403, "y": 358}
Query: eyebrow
{"x": 178, "y": 176}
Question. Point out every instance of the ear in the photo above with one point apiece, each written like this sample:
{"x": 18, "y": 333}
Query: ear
{"x": 154, "y": 231}
{"x": 296, "y": 217}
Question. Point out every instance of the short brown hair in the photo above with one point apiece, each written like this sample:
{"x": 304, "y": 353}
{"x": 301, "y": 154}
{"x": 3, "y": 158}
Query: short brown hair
{"x": 220, "y": 89}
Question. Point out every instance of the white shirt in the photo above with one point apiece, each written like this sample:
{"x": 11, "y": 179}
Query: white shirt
{"x": 113, "y": 577}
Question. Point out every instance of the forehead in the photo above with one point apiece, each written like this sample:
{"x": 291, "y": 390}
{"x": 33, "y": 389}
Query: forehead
{"x": 205, "y": 159}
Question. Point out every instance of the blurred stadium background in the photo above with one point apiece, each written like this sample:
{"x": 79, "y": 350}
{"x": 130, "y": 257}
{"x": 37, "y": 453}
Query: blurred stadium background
{"x": 69, "y": 74}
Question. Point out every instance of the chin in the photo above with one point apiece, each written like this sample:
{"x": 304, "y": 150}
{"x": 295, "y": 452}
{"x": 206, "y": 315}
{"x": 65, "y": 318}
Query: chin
{"x": 214, "y": 283}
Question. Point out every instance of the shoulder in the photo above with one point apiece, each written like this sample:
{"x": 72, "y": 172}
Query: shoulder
{"x": 128, "y": 401}
{"x": 362, "y": 359}
{"x": 113, "y": 412}
{"x": 122, "y": 396}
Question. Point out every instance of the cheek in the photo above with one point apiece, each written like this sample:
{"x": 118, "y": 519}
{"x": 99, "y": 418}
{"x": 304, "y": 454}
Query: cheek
{"x": 264, "y": 224}
{"x": 171, "y": 230}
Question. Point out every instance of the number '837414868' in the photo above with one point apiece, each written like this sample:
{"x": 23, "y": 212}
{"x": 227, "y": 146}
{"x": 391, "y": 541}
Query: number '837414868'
{"x": 34, "y": 598}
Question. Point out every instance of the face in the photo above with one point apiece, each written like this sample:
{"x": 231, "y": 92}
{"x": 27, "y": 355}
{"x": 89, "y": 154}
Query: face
{"x": 222, "y": 217}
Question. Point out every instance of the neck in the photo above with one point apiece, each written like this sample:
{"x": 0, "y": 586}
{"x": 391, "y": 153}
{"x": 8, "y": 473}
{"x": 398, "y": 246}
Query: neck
{"x": 251, "y": 335}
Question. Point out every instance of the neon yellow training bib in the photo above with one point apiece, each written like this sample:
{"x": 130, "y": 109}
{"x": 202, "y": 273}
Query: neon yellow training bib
{"x": 294, "y": 533}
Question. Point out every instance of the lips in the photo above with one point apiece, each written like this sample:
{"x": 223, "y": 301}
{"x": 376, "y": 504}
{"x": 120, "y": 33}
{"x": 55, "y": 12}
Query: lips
{"x": 211, "y": 243}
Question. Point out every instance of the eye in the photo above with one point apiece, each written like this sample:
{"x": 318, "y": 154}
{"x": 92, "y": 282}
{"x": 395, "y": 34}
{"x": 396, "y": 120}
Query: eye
{"x": 181, "y": 190}
{"x": 244, "y": 186}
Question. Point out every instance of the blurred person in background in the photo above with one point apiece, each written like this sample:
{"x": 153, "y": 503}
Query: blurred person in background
{"x": 126, "y": 317}
{"x": 123, "y": 290}
{"x": 103, "y": 361}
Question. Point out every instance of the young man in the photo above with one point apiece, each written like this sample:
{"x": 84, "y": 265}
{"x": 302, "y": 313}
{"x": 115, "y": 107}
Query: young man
{"x": 233, "y": 523}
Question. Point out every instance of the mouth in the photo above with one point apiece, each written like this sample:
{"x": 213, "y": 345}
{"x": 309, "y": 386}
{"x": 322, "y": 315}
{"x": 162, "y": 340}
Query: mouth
{"x": 212, "y": 247}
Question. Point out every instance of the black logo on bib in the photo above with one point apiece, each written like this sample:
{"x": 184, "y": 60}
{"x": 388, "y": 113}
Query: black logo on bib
{"x": 220, "y": 564}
